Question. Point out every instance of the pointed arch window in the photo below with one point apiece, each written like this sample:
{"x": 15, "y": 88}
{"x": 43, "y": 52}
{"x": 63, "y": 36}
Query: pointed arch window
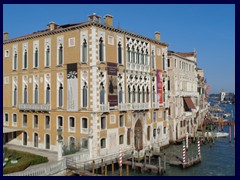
{"x": 36, "y": 58}
{"x": 84, "y": 51}
{"x": 129, "y": 94}
{"x": 25, "y": 95}
{"x": 139, "y": 95}
{"x": 60, "y": 55}
{"x": 143, "y": 95}
{"x": 120, "y": 94}
{"x": 146, "y": 58}
{"x": 60, "y": 95}
{"x": 101, "y": 50}
{"x": 138, "y": 56}
{"x": 133, "y": 55}
{"x": 48, "y": 94}
{"x": 119, "y": 53}
{"x": 128, "y": 53}
{"x": 48, "y": 56}
{"x": 15, "y": 61}
{"x": 154, "y": 94}
{"x": 15, "y": 96}
{"x": 84, "y": 95}
{"x": 147, "y": 95}
{"x": 153, "y": 60}
{"x": 133, "y": 95}
{"x": 102, "y": 94}
{"x": 142, "y": 57}
{"x": 25, "y": 59}
{"x": 36, "y": 94}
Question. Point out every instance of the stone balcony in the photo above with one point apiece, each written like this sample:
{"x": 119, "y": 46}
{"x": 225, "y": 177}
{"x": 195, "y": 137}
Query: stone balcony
{"x": 104, "y": 107}
{"x": 137, "y": 67}
{"x": 34, "y": 107}
{"x": 155, "y": 105}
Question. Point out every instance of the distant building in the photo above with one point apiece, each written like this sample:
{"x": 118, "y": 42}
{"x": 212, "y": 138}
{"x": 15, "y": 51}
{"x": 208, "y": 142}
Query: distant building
{"x": 183, "y": 94}
{"x": 223, "y": 94}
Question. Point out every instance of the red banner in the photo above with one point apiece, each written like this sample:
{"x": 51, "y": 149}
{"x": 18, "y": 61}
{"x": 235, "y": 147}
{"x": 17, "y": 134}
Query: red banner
{"x": 159, "y": 86}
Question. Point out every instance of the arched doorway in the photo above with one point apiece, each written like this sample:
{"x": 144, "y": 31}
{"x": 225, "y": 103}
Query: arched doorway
{"x": 138, "y": 140}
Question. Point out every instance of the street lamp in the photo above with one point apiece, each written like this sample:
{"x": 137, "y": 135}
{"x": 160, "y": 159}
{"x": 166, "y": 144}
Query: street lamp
{"x": 59, "y": 132}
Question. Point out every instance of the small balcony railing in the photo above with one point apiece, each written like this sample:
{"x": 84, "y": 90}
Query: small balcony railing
{"x": 104, "y": 107}
{"x": 155, "y": 105}
{"x": 34, "y": 107}
{"x": 123, "y": 106}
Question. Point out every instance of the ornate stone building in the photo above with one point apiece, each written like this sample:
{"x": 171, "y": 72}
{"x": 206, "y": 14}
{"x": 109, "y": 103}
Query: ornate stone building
{"x": 105, "y": 88}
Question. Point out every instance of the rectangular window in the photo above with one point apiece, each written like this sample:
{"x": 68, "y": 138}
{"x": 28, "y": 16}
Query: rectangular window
{"x": 14, "y": 134}
{"x": 154, "y": 116}
{"x": 35, "y": 121}
{"x": 47, "y": 122}
{"x": 164, "y": 116}
{"x": 71, "y": 42}
{"x": 128, "y": 136}
{"x": 14, "y": 120}
{"x": 84, "y": 123}
{"x": 103, "y": 123}
{"x": 121, "y": 139}
{"x": 168, "y": 63}
{"x": 6, "y": 53}
{"x": 169, "y": 88}
{"x": 47, "y": 56}
{"x": 71, "y": 124}
{"x": 103, "y": 143}
{"x": 85, "y": 143}
{"x": 24, "y": 120}
{"x": 164, "y": 130}
{"x": 25, "y": 59}
{"x": 60, "y": 122}
{"x": 121, "y": 120}
{"x": 6, "y": 120}
{"x": 148, "y": 133}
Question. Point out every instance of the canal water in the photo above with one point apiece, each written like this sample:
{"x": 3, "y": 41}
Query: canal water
{"x": 218, "y": 159}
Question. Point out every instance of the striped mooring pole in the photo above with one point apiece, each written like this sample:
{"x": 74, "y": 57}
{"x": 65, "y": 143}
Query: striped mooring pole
{"x": 187, "y": 141}
{"x": 120, "y": 161}
{"x": 184, "y": 154}
{"x": 199, "y": 152}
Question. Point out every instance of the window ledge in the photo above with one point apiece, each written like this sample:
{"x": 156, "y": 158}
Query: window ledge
{"x": 59, "y": 65}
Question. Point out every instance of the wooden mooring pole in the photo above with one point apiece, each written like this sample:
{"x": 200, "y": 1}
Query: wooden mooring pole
{"x": 164, "y": 162}
{"x": 112, "y": 168}
{"x": 132, "y": 161}
{"x": 102, "y": 166}
{"x": 106, "y": 168}
{"x": 159, "y": 166}
{"x": 127, "y": 170}
{"x": 93, "y": 167}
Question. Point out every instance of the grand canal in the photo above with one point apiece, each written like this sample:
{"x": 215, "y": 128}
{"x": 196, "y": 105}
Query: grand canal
{"x": 218, "y": 159}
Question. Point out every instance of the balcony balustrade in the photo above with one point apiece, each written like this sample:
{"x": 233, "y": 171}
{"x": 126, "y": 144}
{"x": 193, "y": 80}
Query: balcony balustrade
{"x": 104, "y": 107}
{"x": 34, "y": 107}
{"x": 155, "y": 105}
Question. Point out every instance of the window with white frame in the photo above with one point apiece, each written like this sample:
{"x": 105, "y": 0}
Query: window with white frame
{"x": 121, "y": 120}
{"x": 71, "y": 124}
{"x": 84, "y": 125}
{"x": 6, "y": 120}
{"x": 6, "y": 54}
{"x": 103, "y": 123}
{"x": 85, "y": 95}
{"x": 15, "y": 60}
{"x": 154, "y": 116}
{"x": 84, "y": 51}
{"x": 36, "y": 58}
{"x": 120, "y": 53}
{"x": 60, "y": 95}
{"x": 153, "y": 59}
{"x": 121, "y": 139}
{"x": 47, "y": 56}
{"x": 101, "y": 50}
{"x": 47, "y": 122}
{"x": 102, "y": 94}
{"x": 60, "y": 122}
{"x": 25, "y": 94}
{"x": 164, "y": 130}
{"x": 36, "y": 94}
{"x": 48, "y": 94}
{"x": 103, "y": 143}
{"x": 24, "y": 120}
{"x": 60, "y": 54}
{"x": 15, "y": 92}
{"x": 71, "y": 42}
{"x": 84, "y": 143}
{"x": 164, "y": 115}
{"x": 14, "y": 120}
{"x": 35, "y": 123}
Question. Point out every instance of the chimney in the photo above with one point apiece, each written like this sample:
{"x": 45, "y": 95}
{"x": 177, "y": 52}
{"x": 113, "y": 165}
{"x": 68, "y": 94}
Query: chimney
{"x": 108, "y": 19}
{"x": 5, "y": 36}
{"x": 157, "y": 36}
{"x": 94, "y": 17}
{"x": 52, "y": 25}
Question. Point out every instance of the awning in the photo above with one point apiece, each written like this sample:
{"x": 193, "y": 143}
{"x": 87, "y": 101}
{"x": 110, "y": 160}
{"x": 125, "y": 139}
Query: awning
{"x": 189, "y": 103}
{"x": 9, "y": 130}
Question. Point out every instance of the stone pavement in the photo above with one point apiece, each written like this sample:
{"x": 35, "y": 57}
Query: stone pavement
{"x": 52, "y": 156}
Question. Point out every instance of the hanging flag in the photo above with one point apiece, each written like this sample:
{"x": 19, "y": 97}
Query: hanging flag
{"x": 208, "y": 88}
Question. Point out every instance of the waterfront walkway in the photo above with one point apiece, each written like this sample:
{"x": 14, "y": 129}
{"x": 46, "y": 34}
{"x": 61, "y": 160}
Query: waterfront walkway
{"x": 52, "y": 156}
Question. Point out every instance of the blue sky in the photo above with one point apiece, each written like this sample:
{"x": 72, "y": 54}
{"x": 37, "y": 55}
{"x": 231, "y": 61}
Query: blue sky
{"x": 210, "y": 29}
